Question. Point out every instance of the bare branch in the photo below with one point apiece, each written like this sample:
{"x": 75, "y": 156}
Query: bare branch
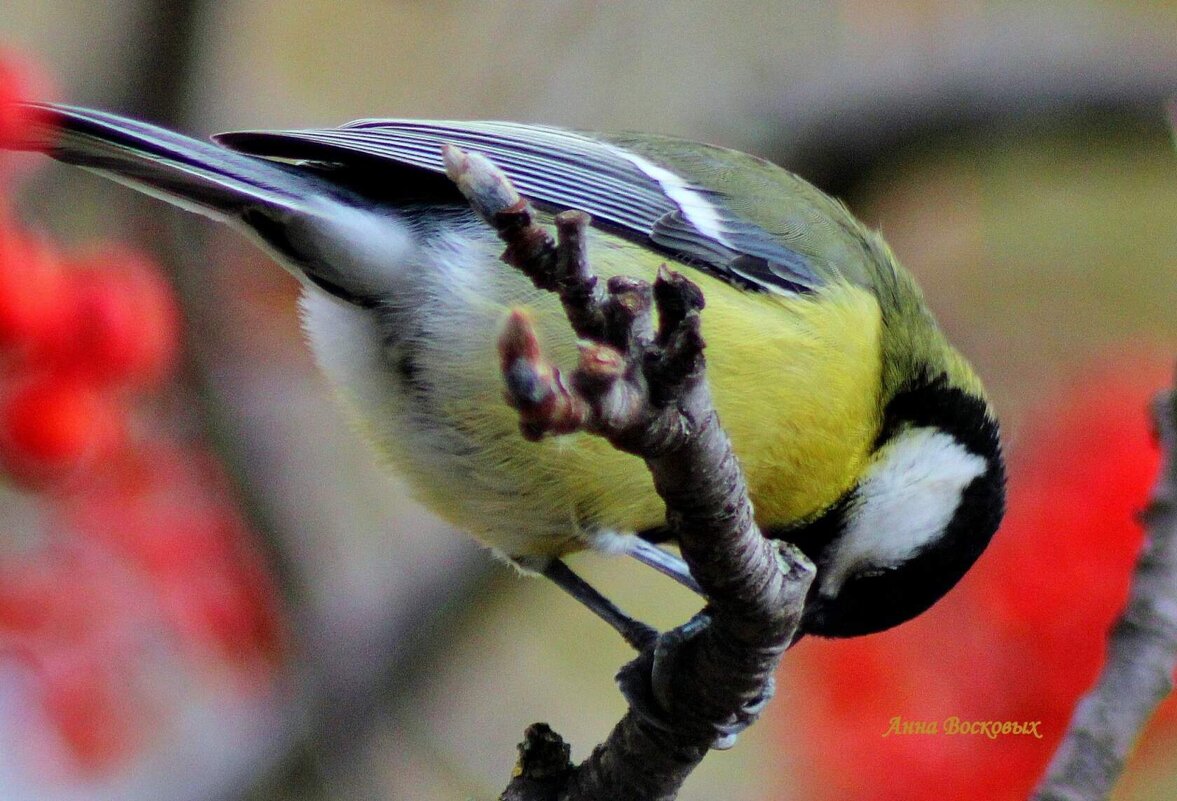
{"x": 1142, "y": 649}
{"x": 543, "y": 768}
{"x": 642, "y": 387}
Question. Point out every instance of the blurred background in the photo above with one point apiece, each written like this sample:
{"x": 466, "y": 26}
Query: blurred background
{"x": 208, "y": 589}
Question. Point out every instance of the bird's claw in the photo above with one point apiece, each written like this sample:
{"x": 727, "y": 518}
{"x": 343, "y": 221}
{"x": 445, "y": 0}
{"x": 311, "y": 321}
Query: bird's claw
{"x": 727, "y": 733}
{"x": 647, "y": 684}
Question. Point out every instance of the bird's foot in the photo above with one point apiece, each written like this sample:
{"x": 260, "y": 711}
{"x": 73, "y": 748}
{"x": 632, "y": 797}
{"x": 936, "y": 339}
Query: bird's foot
{"x": 647, "y": 683}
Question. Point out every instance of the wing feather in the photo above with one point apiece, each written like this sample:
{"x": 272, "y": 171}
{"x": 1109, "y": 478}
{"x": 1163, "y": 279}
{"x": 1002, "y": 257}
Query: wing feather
{"x": 631, "y": 193}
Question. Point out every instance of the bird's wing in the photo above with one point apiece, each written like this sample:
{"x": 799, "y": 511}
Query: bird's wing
{"x": 625, "y": 188}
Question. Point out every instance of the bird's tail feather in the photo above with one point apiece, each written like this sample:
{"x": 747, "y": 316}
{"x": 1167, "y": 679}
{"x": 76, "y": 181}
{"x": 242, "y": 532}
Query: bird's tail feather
{"x": 315, "y": 229}
{"x": 198, "y": 176}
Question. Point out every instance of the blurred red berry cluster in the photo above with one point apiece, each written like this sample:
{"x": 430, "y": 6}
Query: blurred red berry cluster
{"x": 136, "y": 536}
{"x": 80, "y": 337}
{"x": 1023, "y": 636}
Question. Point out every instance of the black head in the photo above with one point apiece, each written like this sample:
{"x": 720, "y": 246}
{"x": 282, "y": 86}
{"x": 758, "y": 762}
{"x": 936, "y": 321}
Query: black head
{"x": 923, "y": 512}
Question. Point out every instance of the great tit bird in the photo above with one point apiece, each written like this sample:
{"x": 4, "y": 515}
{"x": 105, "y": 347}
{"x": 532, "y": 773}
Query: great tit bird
{"x": 866, "y": 439}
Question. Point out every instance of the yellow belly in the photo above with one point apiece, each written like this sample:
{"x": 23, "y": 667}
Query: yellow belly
{"x": 795, "y": 381}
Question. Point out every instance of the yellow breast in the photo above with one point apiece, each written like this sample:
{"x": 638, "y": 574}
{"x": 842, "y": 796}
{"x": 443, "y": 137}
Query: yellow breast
{"x": 795, "y": 380}
{"x": 795, "y": 383}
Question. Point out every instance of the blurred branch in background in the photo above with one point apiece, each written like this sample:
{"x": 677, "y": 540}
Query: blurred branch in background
{"x": 1021, "y": 66}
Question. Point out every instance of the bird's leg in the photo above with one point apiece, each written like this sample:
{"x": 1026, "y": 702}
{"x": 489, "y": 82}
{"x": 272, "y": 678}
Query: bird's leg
{"x": 647, "y": 681}
{"x": 636, "y": 633}
{"x": 647, "y": 699}
{"x": 664, "y": 562}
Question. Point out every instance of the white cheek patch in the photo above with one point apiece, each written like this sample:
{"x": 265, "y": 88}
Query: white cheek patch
{"x": 701, "y": 212}
{"x": 905, "y": 502}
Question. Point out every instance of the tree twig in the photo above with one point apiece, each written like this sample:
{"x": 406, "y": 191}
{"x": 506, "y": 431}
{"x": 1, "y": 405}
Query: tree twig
{"x": 1142, "y": 649}
{"x": 642, "y": 387}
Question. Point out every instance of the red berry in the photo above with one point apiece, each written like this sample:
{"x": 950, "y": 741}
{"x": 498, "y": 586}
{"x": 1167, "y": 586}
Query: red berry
{"x": 52, "y": 428}
{"x": 126, "y": 319}
{"x": 35, "y": 308}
